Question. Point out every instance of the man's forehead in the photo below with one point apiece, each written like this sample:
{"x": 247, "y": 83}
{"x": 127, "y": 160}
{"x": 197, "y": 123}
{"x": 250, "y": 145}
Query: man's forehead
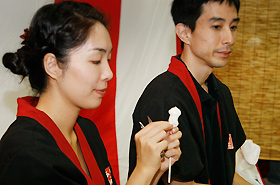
{"x": 215, "y": 10}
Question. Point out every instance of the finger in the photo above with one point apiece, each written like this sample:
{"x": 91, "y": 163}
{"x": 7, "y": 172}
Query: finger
{"x": 174, "y": 153}
{"x": 159, "y": 124}
{"x": 174, "y": 137}
{"x": 151, "y": 149}
{"x": 160, "y": 136}
{"x": 174, "y": 144}
{"x": 153, "y": 128}
{"x": 162, "y": 146}
{"x": 152, "y": 140}
{"x": 173, "y": 130}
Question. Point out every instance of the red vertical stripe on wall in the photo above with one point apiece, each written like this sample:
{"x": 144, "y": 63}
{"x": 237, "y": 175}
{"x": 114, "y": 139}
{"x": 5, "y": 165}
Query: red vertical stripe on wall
{"x": 104, "y": 115}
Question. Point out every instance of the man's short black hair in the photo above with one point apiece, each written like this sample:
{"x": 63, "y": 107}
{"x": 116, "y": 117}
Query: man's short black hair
{"x": 188, "y": 11}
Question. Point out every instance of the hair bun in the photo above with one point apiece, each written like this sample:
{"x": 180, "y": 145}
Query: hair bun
{"x": 15, "y": 63}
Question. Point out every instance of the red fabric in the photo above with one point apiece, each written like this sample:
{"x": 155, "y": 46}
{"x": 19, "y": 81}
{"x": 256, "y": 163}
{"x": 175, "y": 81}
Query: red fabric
{"x": 219, "y": 118}
{"x": 104, "y": 115}
{"x": 260, "y": 173}
{"x": 179, "y": 69}
{"x": 89, "y": 157}
{"x": 26, "y": 108}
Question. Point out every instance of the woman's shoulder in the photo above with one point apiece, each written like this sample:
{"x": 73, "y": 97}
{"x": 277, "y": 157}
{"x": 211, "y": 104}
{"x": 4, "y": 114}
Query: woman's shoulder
{"x": 25, "y": 133}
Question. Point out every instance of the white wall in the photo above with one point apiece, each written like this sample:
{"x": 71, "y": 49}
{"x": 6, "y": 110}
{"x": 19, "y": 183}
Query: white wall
{"x": 146, "y": 43}
{"x": 15, "y": 16}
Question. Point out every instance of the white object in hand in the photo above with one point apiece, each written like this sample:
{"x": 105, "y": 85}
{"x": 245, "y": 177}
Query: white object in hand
{"x": 174, "y": 115}
{"x": 173, "y": 119}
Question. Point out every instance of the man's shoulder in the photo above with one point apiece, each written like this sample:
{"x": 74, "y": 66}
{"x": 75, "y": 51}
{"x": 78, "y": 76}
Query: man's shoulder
{"x": 165, "y": 90}
{"x": 164, "y": 81}
{"x": 221, "y": 86}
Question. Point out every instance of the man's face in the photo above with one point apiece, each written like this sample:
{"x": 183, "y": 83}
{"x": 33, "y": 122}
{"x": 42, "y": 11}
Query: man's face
{"x": 213, "y": 38}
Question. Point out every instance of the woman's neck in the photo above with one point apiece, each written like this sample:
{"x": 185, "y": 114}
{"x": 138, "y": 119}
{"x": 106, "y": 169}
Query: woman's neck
{"x": 63, "y": 114}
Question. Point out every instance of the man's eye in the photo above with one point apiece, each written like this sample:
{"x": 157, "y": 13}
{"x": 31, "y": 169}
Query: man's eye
{"x": 216, "y": 27}
{"x": 233, "y": 28}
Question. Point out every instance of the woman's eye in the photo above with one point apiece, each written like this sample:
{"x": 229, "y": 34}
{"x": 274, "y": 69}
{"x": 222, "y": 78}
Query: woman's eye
{"x": 96, "y": 62}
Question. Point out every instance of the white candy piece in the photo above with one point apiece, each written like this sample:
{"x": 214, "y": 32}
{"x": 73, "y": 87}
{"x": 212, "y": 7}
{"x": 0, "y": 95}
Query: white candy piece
{"x": 174, "y": 115}
{"x": 173, "y": 119}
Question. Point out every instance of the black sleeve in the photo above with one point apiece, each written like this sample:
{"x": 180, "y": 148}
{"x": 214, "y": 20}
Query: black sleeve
{"x": 155, "y": 102}
{"x": 40, "y": 166}
{"x": 230, "y": 125}
{"x": 230, "y": 117}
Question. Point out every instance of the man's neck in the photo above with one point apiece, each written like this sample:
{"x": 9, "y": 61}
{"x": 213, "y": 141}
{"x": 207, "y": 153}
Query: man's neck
{"x": 199, "y": 71}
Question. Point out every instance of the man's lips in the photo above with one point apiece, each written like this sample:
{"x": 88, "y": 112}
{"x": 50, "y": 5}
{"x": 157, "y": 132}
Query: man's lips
{"x": 224, "y": 53}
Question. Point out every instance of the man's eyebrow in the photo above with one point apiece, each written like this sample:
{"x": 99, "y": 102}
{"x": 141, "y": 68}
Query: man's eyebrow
{"x": 214, "y": 19}
{"x": 236, "y": 19}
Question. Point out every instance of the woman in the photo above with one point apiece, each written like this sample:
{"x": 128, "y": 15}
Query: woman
{"x": 65, "y": 54}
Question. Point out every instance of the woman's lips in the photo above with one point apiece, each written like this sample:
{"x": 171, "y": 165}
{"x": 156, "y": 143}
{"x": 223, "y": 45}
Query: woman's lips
{"x": 101, "y": 92}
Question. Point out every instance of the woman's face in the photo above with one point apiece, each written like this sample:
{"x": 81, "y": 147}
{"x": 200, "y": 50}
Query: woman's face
{"x": 84, "y": 81}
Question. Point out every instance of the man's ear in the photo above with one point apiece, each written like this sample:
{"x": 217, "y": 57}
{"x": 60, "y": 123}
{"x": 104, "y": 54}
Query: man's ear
{"x": 51, "y": 65}
{"x": 183, "y": 32}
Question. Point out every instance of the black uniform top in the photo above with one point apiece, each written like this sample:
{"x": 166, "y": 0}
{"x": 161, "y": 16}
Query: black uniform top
{"x": 175, "y": 87}
{"x": 213, "y": 142}
{"x": 34, "y": 151}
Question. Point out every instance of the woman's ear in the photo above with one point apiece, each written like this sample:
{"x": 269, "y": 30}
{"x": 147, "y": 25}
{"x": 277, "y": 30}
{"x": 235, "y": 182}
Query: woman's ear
{"x": 51, "y": 66}
{"x": 183, "y": 32}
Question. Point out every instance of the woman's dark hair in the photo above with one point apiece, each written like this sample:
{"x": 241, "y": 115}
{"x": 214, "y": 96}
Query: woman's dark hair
{"x": 188, "y": 11}
{"x": 55, "y": 28}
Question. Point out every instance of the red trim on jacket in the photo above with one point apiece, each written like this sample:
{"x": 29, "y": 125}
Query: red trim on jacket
{"x": 180, "y": 69}
{"x": 26, "y": 107}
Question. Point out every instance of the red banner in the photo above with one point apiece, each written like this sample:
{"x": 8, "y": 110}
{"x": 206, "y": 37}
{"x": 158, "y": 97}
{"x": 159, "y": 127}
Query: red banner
{"x": 104, "y": 115}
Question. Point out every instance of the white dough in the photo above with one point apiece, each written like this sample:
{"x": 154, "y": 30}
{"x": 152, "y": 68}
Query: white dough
{"x": 174, "y": 115}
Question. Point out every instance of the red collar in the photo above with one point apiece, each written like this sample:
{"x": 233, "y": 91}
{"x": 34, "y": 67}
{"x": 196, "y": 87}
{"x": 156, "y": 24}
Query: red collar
{"x": 179, "y": 68}
{"x": 26, "y": 107}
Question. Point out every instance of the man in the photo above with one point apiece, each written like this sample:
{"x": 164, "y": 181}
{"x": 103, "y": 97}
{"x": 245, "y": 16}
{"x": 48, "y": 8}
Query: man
{"x": 211, "y": 129}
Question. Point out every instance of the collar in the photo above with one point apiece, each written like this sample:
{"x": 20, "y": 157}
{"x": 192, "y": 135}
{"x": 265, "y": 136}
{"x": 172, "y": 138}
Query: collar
{"x": 179, "y": 68}
{"x": 213, "y": 92}
{"x": 27, "y": 108}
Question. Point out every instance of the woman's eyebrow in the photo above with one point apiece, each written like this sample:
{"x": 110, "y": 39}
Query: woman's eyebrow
{"x": 101, "y": 49}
